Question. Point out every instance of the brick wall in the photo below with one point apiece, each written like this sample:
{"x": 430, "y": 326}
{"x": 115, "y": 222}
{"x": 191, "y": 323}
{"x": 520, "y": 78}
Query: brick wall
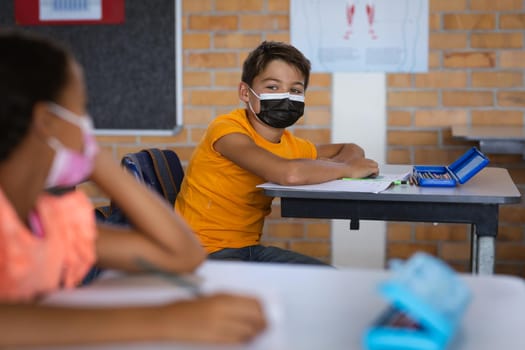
{"x": 476, "y": 76}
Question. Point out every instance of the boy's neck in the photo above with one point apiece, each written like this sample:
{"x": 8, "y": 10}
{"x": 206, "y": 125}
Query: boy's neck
{"x": 267, "y": 132}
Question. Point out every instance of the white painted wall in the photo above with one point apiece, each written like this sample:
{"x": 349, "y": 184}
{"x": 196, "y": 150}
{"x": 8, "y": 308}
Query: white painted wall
{"x": 359, "y": 116}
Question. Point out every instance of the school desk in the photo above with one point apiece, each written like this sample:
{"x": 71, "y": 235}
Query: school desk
{"x": 476, "y": 203}
{"x": 494, "y": 139}
{"x": 313, "y": 307}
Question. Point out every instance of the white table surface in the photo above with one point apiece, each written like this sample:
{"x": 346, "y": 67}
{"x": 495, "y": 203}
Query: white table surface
{"x": 316, "y": 307}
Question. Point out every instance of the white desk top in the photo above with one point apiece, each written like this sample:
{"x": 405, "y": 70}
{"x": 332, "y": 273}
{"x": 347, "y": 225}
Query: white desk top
{"x": 489, "y": 186}
{"x": 313, "y": 307}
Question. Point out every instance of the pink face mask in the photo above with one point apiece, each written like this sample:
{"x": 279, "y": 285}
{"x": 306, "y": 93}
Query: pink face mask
{"x": 71, "y": 167}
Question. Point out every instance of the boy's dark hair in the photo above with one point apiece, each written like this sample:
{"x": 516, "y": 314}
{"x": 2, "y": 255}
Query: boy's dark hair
{"x": 269, "y": 51}
{"x": 32, "y": 69}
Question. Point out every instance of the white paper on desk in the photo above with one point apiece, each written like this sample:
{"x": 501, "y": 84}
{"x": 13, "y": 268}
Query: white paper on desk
{"x": 371, "y": 185}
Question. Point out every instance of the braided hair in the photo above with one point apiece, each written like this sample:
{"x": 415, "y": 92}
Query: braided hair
{"x": 32, "y": 69}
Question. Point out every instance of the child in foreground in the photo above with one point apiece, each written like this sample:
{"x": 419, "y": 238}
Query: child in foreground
{"x": 49, "y": 242}
{"x": 250, "y": 146}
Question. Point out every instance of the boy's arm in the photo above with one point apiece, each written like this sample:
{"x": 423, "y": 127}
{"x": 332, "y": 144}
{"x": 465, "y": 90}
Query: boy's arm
{"x": 241, "y": 150}
{"x": 161, "y": 237}
{"x": 340, "y": 152}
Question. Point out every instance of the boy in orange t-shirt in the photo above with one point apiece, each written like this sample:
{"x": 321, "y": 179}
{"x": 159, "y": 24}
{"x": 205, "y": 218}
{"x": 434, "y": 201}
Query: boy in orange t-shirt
{"x": 247, "y": 147}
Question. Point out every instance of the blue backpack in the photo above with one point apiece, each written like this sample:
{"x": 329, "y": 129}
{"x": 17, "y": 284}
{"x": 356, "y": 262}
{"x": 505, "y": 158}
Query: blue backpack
{"x": 161, "y": 170}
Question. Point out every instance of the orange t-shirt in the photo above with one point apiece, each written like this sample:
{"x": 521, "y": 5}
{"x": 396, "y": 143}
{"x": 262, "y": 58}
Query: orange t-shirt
{"x": 31, "y": 265}
{"x": 218, "y": 198}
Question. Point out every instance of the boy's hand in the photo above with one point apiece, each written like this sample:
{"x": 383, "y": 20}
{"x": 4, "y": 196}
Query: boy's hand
{"x": 363, "y": 167}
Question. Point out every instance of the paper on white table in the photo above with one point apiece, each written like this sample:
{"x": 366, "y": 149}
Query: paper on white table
{"x": 372, "y": 185}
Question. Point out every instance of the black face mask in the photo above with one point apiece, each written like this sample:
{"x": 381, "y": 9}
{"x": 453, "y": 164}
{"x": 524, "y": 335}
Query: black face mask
{"x": 279, "y": 110}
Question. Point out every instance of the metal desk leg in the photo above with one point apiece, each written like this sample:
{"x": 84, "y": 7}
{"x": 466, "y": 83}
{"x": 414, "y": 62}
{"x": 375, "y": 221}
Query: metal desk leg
{"x": 486, "y": 252}
{"x": 473, "y": 249}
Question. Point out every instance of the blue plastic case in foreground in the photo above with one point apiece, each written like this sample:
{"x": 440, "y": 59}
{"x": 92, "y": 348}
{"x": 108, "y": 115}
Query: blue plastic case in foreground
{"x": 427, "y": 301}
{"x": 460, "y": 171}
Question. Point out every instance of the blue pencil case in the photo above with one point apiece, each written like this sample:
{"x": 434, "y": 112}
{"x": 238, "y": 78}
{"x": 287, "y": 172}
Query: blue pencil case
{"x": 459, "y": 172}
{"x": 427, "y": 301}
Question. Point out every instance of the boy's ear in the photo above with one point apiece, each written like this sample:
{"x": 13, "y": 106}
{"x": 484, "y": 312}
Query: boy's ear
{"x": 42, "y": 120}
{"x": 244, "y": 92}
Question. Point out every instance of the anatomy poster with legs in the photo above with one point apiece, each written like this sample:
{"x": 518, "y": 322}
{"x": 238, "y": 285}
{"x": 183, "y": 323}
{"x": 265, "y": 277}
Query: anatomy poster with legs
{"x": 362, "y": 35}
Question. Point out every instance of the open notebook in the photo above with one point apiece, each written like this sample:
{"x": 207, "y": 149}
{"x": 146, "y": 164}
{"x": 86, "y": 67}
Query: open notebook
{"x": 371, "y": 185}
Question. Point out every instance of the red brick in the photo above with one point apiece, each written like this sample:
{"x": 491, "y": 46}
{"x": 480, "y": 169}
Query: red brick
{"x": 497, "y": 79}
{"x": 319, "y": 230}
{"x": 493, "y": 5}
{"x": 436, "y": 156}
{"x": 496, "y": 40}
{"x": 442, "y": 232}
{"x": 510, "y": 251}
{"x": 455, "y": 251}
{"x": 443, "y": 79}
{"x": 103, "y": 139}
{"x": 447, "y": 41}
{"x": 441, "y": 117}
{"x": 196, "y": 41}
{"x": 467, "y": 21}
{"x": 399, "y": 80}
{"x": 497, "y": 117}
{"x": 512, "y": 21}
{"x": 511, "y": 98}
{"x": 278, "y": 36}
{"x": 512, "y": 214}
{"x": 198, "y": 116}
{"x": 512, "y": 59}
{"x": 399, "y": 118}
{"x": 265, "y": 22}
{"x": 399, "y": 232}
{"x": 278, "y": 5}
{"x": 412, "y": 98}
{"x": 314, "y": 248}
{"x": 212, "y": 60}
{"x": 227, "y": 79}
{"x": 236, "y": 40}
{"x": 398, "y": 156}
{"x": 434, "y": 22}
{"x": 318, "y": 98}
{"x": 447, "y": 5}
{"x": 189, "y": 6}
{"x": 469, "y": 59}
{"x": 410, "y": 138}
{"x": 434, "y": 59}
{"x": 467, "y": 98}
{"x": 317, "y": 136}
{"x": 212, "y": 23}
{"x": 320, "y": 80}
{"x": 404, "y": 250}
{"x": 196, "y": 79}
{"x": 180, "y": 137}
{"x": 214, "y": 98}
{"x": 238, "y": 5}
{"x": 318, "y": 116}
{"x": 286, "y": 230}
{"x": 509, "y": 233}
